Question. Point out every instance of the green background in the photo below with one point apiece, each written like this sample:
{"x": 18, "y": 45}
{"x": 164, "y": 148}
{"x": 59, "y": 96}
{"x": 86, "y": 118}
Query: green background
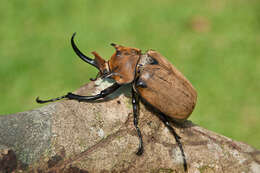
{"x": 214, "y": 43}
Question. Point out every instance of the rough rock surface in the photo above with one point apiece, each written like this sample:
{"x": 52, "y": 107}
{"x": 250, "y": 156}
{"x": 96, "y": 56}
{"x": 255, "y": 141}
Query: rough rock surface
{"x": 72, "y": 136}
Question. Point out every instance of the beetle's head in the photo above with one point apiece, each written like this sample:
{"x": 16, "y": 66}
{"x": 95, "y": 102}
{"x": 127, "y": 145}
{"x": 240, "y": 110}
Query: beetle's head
{"x": 120, "y": 67}
{"x": 123, "y": 62}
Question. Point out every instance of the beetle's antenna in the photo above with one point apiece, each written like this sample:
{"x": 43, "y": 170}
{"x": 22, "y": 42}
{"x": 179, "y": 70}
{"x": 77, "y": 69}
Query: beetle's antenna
{"x": 80, "y": 54}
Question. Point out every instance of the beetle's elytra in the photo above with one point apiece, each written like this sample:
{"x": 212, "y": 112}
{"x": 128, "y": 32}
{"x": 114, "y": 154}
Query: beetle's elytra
{"x": 153, "y": 78}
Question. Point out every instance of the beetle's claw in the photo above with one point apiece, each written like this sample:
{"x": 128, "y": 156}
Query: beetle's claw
{"x": 38, "y": 100}
{"x": 140, "y": 151}
{"x": 51, "y": 100}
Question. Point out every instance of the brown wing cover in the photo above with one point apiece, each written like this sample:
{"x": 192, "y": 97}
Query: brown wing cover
{"x": 167, "y": 89}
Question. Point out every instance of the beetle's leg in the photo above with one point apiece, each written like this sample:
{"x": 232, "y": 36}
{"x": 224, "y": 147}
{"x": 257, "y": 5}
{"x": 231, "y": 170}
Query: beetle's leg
{"x": 135, "y": 102}
{"x": 176, "y": 136}
{"x": 102, "y": 94}
{"x": 97, "y": 76}
{"x": 72, "y": 96}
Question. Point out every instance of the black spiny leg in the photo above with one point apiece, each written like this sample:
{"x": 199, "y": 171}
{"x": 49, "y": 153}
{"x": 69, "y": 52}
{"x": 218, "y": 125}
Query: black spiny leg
{"x": 176, "y": 136}
{"x": 72, "y": 96}
{"x": 135, "y": 102}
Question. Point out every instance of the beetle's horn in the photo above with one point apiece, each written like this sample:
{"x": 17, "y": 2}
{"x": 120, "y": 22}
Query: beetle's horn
{"x": 113, "y": 44}
{"x": 116, "y": 46}
{"x": 81, "y": 55}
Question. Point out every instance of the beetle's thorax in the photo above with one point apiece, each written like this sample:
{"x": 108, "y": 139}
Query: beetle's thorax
{"x": 123, "y": 62}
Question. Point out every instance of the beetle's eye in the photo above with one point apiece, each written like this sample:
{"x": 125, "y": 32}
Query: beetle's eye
{"x": 118, "y": 53}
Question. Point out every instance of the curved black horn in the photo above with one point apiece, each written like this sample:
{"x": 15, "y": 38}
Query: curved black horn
{"x": 80, "y": 54}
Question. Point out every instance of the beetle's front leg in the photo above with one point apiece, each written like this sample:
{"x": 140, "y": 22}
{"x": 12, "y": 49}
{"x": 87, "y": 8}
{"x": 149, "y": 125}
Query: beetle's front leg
{"x": 102, "y": 94}
{"x": 72, "y": 96}
{"x": 135, "y": 102}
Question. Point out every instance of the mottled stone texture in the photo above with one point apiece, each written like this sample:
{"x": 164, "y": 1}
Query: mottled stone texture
{"x": 70, "y": 136}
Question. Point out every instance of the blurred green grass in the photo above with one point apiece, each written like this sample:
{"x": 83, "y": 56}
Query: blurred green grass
{"x": 214, "y": 43}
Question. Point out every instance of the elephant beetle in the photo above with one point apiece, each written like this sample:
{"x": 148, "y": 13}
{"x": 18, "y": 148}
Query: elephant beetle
{"x": 154, "y": 80}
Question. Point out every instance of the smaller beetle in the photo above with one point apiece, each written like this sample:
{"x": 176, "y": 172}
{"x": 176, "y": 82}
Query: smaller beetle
{"x": 154, "y": 80}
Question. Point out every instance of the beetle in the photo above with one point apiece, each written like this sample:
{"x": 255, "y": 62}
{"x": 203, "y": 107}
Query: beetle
{"x": 154, "y": 80}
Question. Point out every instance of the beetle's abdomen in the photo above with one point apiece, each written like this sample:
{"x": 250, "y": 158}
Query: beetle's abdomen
{"x": 166, "y": 88}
